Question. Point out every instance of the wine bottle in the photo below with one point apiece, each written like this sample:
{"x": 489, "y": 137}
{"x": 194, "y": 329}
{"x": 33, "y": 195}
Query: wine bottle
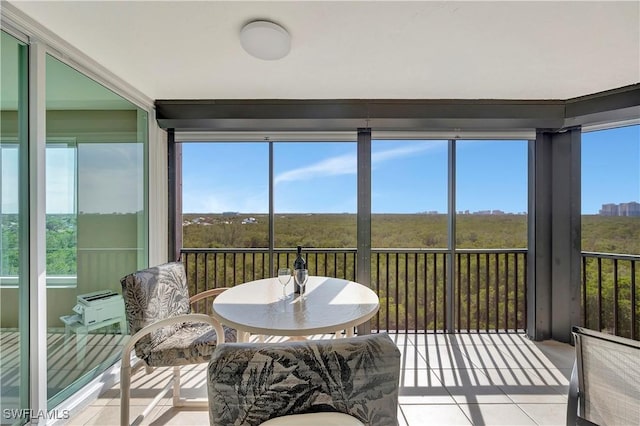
{"x": 298, "y": 264}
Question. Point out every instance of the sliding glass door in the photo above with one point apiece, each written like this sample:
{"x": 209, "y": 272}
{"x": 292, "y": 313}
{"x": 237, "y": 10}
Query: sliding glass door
{"x": 14, "y": 234}
{"x": 96, "y": 222}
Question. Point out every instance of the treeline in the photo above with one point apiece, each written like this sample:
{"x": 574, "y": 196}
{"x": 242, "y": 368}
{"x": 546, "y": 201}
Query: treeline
{"x": 61, "y": 239}
{"x": 599, "y": 233}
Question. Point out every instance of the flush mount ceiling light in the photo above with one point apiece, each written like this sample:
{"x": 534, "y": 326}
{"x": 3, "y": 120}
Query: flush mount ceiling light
{"x": 265, "y": 40}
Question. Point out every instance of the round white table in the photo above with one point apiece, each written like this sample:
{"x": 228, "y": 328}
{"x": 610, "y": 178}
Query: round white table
{"x": 330, "y": 305}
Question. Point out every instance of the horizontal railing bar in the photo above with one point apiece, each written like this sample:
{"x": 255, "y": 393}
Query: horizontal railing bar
{"x": 352, "y": 250}
{"x": 266, "y": 250}
{"x": 611, "y": 255}
{"x": 491, "y": 251}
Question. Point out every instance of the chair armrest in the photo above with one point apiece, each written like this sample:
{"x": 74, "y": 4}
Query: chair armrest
{"x": 207, "y": 293}
{"x": 199, "y": 318}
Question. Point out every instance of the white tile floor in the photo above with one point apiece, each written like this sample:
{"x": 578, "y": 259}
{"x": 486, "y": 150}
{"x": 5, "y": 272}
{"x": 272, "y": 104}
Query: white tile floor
{"x": 459, "y": 379}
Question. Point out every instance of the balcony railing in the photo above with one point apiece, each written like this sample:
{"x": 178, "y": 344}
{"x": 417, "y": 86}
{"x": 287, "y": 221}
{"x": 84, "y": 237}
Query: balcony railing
{"x": 489, "y": 289}
{"x": 610, "y": 293}
{"x": 489, "y": 285}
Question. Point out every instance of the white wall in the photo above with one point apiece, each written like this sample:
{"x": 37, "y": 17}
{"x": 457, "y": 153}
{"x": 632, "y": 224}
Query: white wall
{"x": 158, "y": 194}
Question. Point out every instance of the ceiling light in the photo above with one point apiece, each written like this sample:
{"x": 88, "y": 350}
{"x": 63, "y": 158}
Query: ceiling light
{"x": 265, "y": 40}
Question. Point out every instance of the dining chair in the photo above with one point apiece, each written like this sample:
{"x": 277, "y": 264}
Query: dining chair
{"x": 344, "y": 381}
{"x": 164, "y": 331}
{"x": 605, "y": 382}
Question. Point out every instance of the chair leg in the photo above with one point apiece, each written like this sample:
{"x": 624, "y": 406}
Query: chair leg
{"x": 125, "y": 386}
{"x": 178, "y": 400}
{"x": 573, "y": 397}
{"x": 125, "y": 395}
{"x": 176, "y": 387}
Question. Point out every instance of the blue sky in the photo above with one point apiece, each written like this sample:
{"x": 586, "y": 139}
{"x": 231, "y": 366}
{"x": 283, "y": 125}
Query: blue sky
{"x": 610, "y": 167}
{"x": 407, "y": 176}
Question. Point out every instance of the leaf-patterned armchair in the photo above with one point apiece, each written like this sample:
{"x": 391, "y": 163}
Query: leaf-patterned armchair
{"x": 164, "y": 331}
{"x": 295, "y": 382}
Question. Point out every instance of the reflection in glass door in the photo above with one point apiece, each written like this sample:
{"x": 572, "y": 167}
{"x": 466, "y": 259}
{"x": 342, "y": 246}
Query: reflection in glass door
{"x": 96, "y": 222}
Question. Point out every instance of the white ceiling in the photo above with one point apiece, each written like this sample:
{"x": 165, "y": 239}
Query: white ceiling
{"x": 360, "y": 49}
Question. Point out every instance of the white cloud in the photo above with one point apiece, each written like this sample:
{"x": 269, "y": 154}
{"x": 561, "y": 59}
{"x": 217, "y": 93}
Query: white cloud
{"x": 339, "y": 165}
{"x": 403, "y": 151}
{"x": 348, "y": 164}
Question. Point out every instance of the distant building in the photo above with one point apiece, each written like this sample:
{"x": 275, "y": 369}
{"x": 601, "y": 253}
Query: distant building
{"x": 609, "y": 210}
{"x": 249, "y": 220}
{"x": 230, "y": 214}
{"x": 629, "y": 209}
{"x": 623, "y": 209}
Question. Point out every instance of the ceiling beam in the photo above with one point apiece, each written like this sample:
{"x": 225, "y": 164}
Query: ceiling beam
{"x": 613, "y": 105}
{"x": 395, "y": 114}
